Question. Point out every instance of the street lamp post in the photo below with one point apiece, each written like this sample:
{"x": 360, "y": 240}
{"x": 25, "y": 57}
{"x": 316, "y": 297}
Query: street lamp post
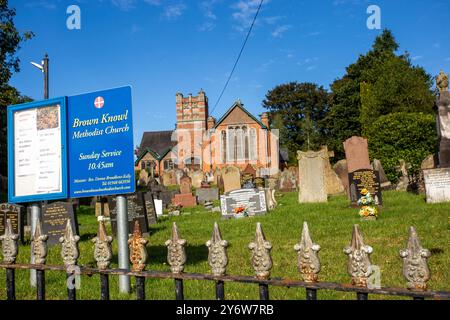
{"x": 36, "y": 207}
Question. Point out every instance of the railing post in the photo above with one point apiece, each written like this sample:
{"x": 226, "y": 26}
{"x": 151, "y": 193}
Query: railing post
{"x": 39, "y": 254}
{"x": 69, "y": 254}
{"x": 10, "y": 284}
{"x": 362, "y": 296}
{"x": 138, "y": 257}
{"x": 359, "y": 266}
{"x": 40, "y": 284}
{"x": 10, "y": 249}
{"x": 308, "y": 260}
{"x": 261, "y": 260}
{"x": 263, "y": 291}
{"x": 104, "y": 287}
{"x": 176, "y": 257}
{"x": 103, "y": 255}
{"x": 220, "y": 290}
{"x": 218, "y": 259}
{"x": 179, "y": 293}
{"x": 140, "y": 288}
{"x": 311, "y": 294}
{"x": 122, "y": 238}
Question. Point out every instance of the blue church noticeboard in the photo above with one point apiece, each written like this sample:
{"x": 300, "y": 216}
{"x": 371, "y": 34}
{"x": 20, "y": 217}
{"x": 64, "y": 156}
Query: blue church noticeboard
{"x": 71, "y": 147}
{"x": 100, "y": 136}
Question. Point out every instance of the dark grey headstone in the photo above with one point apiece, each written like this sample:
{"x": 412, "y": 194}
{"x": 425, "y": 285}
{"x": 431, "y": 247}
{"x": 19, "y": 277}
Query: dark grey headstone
{"x": 253, "y": 199}
{"x": 136, "y": 210}
{"x": 16, "y": 214}
{"x": 54, "y": 220}
{"x": 364, "y": 178}
{"x": 206, "y": 194}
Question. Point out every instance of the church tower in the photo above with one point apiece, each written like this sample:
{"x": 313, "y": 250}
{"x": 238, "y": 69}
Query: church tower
{"x": 192, "y": 114}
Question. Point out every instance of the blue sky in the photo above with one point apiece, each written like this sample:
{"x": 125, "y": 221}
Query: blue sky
{"x": 160, "y": 47}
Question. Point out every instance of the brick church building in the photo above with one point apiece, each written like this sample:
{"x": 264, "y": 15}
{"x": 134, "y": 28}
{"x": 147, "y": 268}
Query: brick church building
{"x": 200, "y": 142}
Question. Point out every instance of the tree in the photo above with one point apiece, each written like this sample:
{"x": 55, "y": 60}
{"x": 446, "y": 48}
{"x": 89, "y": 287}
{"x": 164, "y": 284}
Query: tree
{"x": 403, "y": 135}
{"x": 299, "y": 111}
{"x": 10, "y": 39}
{"x": 378, "y": 83}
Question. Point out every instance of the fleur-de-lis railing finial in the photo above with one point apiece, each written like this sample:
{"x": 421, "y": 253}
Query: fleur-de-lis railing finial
{"x": 9, "y": 244}
{"x": 261, "y": 259}
{"x": 308, "y": 258}
{"x": 102, "y": 247}
{"x": 217, "y": 257}
{"x": 415, "y": 267}
{"x": 138, "y": 251}
{"x": 359, "y": 266}
{"x": 176, "y": 256}
{"x": 69, "y": 246}
{"x": 39, "y": 244}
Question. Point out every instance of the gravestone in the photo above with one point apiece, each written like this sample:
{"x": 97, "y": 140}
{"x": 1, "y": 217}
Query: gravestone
{"x": 252, "y": 199}
{"x": 271, "y": 202}
{"x": 178, "y": 175}
{"x": 143, "y": 178}
{"x": 16, "y": 214}
{"x": 288, "y": 181}
{"x": 136, "y": 210}
{"x": 357, "y": 154}
{"x": 437, "y": 185}
{"x": 54, "y": 220}
{"x": 185, "y": 198}
{"x": 207, "y": 195}
{"x": 158, "y": 207}
{"x": 312, "y": 178}
{"x": 333, "y": 185}
{"x": 443, "y": 120}
{"x": 384, "y": 182}
{"x": 150, "y": 208}
{"x": 169, "y": 178}
{"x": 340, "y": 168}
{"x": 197, "y": 178}
{"x": 185, "y": 185}
{"x": 217, "y": 176}
{"x": 364, "y": 179}
{"x": 231, "y": 179}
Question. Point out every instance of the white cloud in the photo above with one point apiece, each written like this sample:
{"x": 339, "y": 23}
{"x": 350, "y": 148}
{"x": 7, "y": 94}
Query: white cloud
{"x": 174, "y": 11}
{"x": 310, "y": 68}
{"x": 415, "y": 58}
{"x": 244, "y": 13}
{"x": 280, "y": 30}
{"x": 124, "y": 5}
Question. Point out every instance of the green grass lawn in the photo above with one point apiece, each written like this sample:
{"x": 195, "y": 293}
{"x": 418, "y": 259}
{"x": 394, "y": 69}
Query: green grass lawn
{"x": 330, "y": 226}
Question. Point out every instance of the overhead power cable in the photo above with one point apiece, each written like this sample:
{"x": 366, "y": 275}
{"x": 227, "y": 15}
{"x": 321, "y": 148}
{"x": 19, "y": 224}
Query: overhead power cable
{"x": 238, "y": 57}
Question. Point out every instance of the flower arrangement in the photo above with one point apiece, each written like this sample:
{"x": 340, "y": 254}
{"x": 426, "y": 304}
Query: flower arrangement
{"x": 368, "y": 205}
{"x": 241, "y": 211}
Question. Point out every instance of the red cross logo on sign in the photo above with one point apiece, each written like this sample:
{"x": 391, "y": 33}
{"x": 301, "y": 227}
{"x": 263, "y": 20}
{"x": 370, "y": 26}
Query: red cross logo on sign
{"x": 99, "y": 102}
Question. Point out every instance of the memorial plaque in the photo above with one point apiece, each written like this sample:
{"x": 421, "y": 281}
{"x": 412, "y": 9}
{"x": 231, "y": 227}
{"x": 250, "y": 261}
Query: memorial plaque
{"x": 437, "y": 185}
{"x": 253, "y": 200}
{"x": 14, "y": 213}
{"x": 368, "y": 179}
{"x": 150, "y": 207}
{"x": 136, "y": 210}
{"x": 54, "y": 220}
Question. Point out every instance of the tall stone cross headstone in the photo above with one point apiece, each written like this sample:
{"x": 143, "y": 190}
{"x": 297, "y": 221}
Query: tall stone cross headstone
{"x": 443, "y": 120}
{"x": 311, "y": 175}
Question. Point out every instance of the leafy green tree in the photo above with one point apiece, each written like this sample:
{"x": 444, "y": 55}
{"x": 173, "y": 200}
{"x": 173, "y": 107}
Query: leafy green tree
{"x": 10, "y": 39}
{"x": 378, "y": 83}
{"x": 299, "y": 111}
{"x": 403, "y": 135}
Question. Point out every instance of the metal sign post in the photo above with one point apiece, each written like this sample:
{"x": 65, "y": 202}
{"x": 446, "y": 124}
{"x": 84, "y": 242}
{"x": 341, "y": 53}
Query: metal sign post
{"x": 122, "y": 241}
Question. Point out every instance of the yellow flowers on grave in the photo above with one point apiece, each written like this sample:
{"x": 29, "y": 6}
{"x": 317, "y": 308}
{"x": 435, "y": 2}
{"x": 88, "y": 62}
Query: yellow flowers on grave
{"x": 368, "y": 205}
